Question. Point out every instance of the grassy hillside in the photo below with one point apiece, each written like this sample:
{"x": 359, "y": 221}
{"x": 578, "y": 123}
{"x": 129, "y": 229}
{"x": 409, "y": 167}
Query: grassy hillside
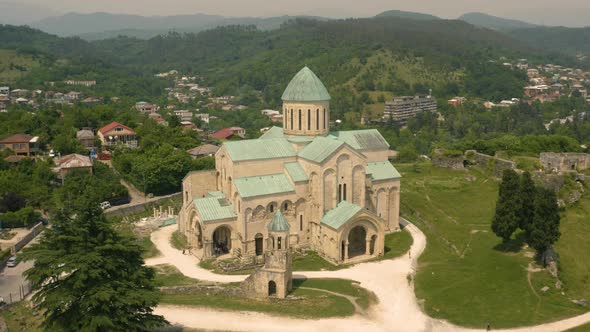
{"x": 494, "y": 22}
{"x": 14, "y": 65}
{"x": 570, "y": 40}
{"x": 466, "y": 275}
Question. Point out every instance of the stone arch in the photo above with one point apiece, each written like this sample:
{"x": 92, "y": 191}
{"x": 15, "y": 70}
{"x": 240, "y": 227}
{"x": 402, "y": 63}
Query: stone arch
{"x": 287, "y": 207}
{"x": 272, "y": 207}
{"x": 358, "y": 185}
{"x": 272, "y": 288}
{"x": 195, "y": 230}
{"x": 357, "y": 241}
{"x": 222, "y": 240}
{"x": 381, "y": 206}
{"x": 372, "y": 244}
{"x": 259, "y": 213}
{"x": 329, "y": 186}
{"x": 248, "y": 215}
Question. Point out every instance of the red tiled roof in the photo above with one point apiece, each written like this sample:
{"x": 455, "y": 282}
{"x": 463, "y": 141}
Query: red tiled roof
{"x": 223, "y": 133}
{"x": 15, "y": 159}
{"x": 112, "y": 126}
{"x": 18, "y": 138}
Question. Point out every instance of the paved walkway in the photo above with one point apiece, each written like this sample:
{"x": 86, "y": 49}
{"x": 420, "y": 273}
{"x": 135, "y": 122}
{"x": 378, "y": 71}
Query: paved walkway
{"x": 397, "y": 310}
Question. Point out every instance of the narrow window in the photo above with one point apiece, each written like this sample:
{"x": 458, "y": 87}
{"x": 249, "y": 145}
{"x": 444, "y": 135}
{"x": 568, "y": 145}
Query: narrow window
{"x": 285, "y": 206}
{"x": 324, "y": 118}
{"x": 300, "y": 222}
{"x": 344, "y": 193}
{"x": 317, "y": 119}
{"x": 339, "y": 193}
{"x": 308, "y": 119}
{"x": 300, "y": 120}
{"x": 285, "y": 118}
{"x": 239, "y": 210}
{"x": 291, "y": 119}
{"x": 279, "y": 243}
{"x": 272, "y": 208}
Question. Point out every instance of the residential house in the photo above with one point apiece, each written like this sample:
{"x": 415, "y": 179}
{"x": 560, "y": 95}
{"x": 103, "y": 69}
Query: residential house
{"x": 86, "y": 137}
{"x": 231, "y": 132}
{"x": 184, "y": 115}
{"x": 73, "y": 96}
{"x": 456, "y": 101}
{"x": 204, "y": 117}
{"x": 158, "y": 118}
{"x": 146, "y": 108}
{"x": 116, "y": 133}
{"x": 205, "y": 150}
{"x": 21, "y": 144}
{"x": 4, "y": 90}
{"x": 72, "y": 162}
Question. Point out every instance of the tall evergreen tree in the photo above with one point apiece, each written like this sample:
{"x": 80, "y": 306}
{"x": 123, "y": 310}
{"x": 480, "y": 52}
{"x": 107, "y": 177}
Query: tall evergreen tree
{"x": 89, "y": 277}
{"x": 544, "y": 230}
{"x": 506, "y": 218}
{"x": 527, "y": 202}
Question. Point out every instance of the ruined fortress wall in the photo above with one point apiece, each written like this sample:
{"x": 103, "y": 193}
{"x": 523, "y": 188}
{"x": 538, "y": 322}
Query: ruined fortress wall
{"x": 562, "y": 162}
{"x": 496, "y": 165}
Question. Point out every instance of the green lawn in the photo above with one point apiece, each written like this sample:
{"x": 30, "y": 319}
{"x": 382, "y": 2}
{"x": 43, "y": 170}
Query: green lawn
{"x": 305, "y": 303}
{"x": 465, "y": 275}
{"x": 14, "y": 66}
{"x": 168, "y": 275}
{"x": 583, "y": 328}
{"x": 178, "y": 240}
{"x": 21, "y": 317}
{"x": 149, "y": 249}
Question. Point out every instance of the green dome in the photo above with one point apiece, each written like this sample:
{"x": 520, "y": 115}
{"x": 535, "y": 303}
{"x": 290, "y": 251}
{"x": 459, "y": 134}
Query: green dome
{"x": 305, "y": 86}
{"x": 278, "y": 223}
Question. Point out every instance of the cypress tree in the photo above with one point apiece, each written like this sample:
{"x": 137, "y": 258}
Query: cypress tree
{"x": 506, "y": 219}
{"x": 527, "y": 202}
{"x": 544, "y": 230}
{"x": 89, "y": 277}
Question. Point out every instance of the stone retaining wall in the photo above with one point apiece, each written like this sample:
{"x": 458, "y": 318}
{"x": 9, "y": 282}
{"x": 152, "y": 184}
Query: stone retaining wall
{"x": 494, "y": 164}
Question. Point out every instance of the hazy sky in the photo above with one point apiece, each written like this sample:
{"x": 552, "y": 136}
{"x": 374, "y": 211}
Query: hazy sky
{"x": 549, "y": 12}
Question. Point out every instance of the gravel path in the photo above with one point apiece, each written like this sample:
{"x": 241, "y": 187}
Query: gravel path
{"x": 397, "y": 310}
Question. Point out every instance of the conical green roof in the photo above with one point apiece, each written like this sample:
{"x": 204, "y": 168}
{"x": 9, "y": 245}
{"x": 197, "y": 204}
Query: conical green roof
{"x": 305, "y": 86}
{"x": 278, "y": 223}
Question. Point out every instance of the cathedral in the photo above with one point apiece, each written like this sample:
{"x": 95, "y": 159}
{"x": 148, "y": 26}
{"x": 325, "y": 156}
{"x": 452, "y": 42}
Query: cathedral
{"x": 336, "y": 190}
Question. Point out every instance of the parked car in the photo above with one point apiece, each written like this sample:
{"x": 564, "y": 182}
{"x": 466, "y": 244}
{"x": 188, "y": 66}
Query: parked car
{"x": 52, "y": 153}
{"x": 105, "y": 205}
{"x": 119, "y": 200}
{"x": 11, "y": 262}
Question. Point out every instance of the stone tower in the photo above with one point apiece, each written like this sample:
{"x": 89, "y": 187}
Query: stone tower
{"x": 276, "y": 277}
{"x": 306, "y": 106}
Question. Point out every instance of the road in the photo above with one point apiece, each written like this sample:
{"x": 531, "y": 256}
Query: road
{"x": 11, "y": 279}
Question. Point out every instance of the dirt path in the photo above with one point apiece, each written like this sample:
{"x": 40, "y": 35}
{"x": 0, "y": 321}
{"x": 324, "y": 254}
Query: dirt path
{"x": 352, "y": 299}
{"x": 397, "y": 310}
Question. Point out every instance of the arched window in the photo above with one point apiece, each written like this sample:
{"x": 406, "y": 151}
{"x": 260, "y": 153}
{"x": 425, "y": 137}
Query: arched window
{"x": 271, "y": 208}
{"x": 279, "y": 242}
{"x": 291, "y": 120}
{"x": 239, "y": 210}
{"x": 308, "y": 119}
{"x": 324, "y": 118}
{"x": 300, "y": 120}
{"x": 344, "y": 192}
{"x": 317, "y": 119}
{"x": 285, "y": 206}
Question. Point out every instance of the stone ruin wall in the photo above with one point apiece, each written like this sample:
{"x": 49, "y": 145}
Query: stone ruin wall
{"x": 562, "y": 162}
{"x": 439, "y": 159}
{"x": 495, "y": 164}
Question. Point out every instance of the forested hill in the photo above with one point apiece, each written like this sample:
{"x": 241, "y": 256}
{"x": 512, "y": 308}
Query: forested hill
{"x": 388, "y": 55}
{"x": 494, "y": 22}
{"x": 570, "y": 40}
{"x": 410, "y": 15}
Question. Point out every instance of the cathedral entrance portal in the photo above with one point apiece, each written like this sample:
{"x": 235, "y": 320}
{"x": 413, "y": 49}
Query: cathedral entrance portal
{"x": 222, "y": 241}
{"x": 357, "y": 243}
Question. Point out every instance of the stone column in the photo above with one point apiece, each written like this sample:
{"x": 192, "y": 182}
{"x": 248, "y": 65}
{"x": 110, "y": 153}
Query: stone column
{"x": 346, "y": 251}
{"x": 368, "y": 245}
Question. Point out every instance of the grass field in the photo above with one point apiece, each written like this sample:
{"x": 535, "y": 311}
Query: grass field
{"x": 178, "y": 241}
{"x": 465, "y": 274}
{"x": 305, "y": 303}
{"x": 168, "y": 275}
{"x": 14, "y": 66}
{"x": 21, "y": 317}
{"x": 583, "y": 328}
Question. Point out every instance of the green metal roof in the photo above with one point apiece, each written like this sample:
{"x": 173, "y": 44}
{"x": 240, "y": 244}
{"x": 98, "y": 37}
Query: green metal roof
{"x": 382, "y": 170}
{"x": 296, "y": 172}
{"x": 263, "y": 185}
{"x": 305, "y": 86}
{"x": 214, "y": 207}
{"x": 278, "y": 223}
{"x": 217, "y": 194}
{"x": 320, "y": 149}
{"x": 369, "y": 139}
{"x": 340, "y": 215}
{"x": 256, "y": 149}
{"x": 273, "y": 132}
